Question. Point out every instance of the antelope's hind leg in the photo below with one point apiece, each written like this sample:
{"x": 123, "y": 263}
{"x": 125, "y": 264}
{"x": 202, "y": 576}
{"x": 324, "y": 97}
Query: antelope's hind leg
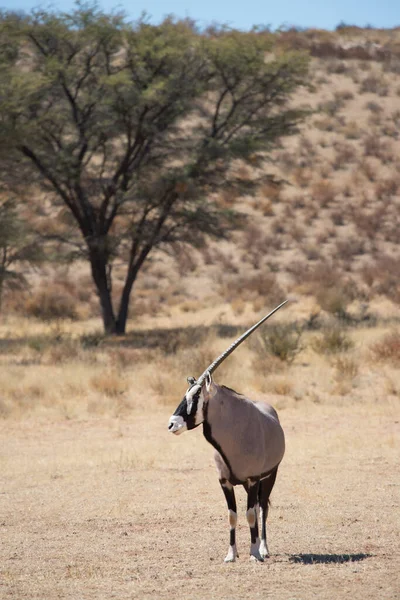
{"x": 229, "y": 494}
{"x": 265, "y": 490}
{"x": 252, "y": 489}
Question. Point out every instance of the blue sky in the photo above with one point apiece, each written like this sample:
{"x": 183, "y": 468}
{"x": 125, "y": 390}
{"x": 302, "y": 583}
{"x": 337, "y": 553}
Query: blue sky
{"x": 245, "y": 13}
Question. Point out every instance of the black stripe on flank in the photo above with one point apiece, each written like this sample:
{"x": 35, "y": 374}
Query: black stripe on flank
{"x": 208, "y": 435}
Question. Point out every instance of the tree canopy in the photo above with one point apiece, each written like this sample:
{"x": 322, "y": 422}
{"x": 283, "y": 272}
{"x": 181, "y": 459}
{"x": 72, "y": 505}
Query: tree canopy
{"x": 130, "y": 128}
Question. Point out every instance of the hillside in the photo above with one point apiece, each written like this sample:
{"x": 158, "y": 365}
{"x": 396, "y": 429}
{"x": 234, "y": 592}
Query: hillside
{"x": 328, "y": 235}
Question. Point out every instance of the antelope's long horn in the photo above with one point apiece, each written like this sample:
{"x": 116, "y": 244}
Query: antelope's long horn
{"x": 235, "y": 344}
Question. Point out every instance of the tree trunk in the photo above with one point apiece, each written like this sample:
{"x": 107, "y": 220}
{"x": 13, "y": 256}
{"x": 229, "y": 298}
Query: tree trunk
{"x": 98, "y": 265}
{"x": 124, "y": 303}
{"x": 133, "y": 271}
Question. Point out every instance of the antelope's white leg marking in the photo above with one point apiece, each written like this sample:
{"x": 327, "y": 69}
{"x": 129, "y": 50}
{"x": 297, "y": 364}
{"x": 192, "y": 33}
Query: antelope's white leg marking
{"x": 251, "y": 516}
{"x": 232, "y": 552}
{"x": 264, "y": 552}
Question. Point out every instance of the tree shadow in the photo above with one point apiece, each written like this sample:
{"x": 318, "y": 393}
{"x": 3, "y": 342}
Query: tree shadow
{"x": 313, "y": 559}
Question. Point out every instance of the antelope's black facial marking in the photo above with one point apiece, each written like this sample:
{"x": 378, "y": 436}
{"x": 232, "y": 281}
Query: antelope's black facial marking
{"x": 189, "y": 413}
{"x": 191, "y": 406}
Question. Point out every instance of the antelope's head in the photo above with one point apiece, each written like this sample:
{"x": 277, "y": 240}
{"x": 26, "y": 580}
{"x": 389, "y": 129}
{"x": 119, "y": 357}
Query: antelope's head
{"x": 190, "y": 412}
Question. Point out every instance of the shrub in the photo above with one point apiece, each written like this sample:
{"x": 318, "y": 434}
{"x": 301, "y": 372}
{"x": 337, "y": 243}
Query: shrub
{"x": 345, "y": 367}
{"x": 375, "y": 85}
{"x": 333, "y": 300}
{"x": 351, "y": 131}
{"x": 52, "y": 303}
{"x": 388, "y": 348}
{"x": 323, "y": 192}
{"x": 331, "y": 341}
{"x": 345, "y": 154}
{"x": 281, "y": 341}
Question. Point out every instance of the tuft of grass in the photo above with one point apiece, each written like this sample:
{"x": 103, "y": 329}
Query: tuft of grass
{"x": 388, "y": 348}
{"x": 332, "y": 340}
{"x": 281, "y": 342}
{"x": 346, "y": 367}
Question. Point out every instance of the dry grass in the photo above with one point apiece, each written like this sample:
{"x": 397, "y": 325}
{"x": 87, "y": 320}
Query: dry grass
{"x": 93, "y": 485}
{"x": 93, "y": 509}
{"x": 388, "y": 348}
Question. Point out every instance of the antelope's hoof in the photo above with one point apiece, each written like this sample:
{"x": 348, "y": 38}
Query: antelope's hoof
{"x": 256, "y": 558}
{"x": 264, "y": 552}
{"x": 231, "y": 556}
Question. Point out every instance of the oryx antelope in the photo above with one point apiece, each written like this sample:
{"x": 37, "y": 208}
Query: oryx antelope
{"x": 249, "y": 444}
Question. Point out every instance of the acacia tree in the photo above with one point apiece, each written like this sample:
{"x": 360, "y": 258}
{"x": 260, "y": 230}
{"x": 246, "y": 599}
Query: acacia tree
{"x": 132, "y": 127}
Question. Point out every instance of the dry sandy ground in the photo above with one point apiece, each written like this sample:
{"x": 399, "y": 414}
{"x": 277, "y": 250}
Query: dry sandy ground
{"x": 121, "y": 509}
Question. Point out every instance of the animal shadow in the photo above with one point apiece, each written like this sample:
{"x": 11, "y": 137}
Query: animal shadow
{"x": 313, "y": 559}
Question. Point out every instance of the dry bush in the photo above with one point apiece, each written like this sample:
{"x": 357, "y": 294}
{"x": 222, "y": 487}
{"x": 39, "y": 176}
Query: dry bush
{"x": 345, "y": 154}
{"x": 368, "y": 224}
{"x": 346, "y": 367}
{"x": 312, "y": 251}
{"x": 280, "y": 341}
{"x": 334, "y": 299}
{"x": 323, "y": 192}
{"x": 225, "y": 260}
{"x": 185, "y": 258}
{"x": 374, "y": 146}
{"x": 351, "y": 130}
{"x": 256, "y": 245}
{"x": 338, "y": 218}
{"x": 330, "y": 107}
{"x": 282, "y": 386}
{"x": 374, "y": 107}
{"x": 388, "y": 348}
{"x": 382, "y": 277}
{"x": 374, "y": 84}
{"x": 272, "y": 191}
{"x": 298, "y": 233}
{"x": 226, "y": 198}
{"x": 325, "y": 124}
{"x": 349, "y": 247}
{"x": 263, "y": 205}
{"x": 368, "y": 169}
{"x": 287, "y": 160}
{"x": 332, "y": 340}
{"x": 344, "y": 95}
{"x": 386, "y": 188}
{"x": 302, "y": 176}
{"x": 51, "y": 303}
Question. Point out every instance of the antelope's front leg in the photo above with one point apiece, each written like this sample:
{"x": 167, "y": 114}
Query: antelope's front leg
{"x": 229, "y": 494}
{"x": 252, "y": 519}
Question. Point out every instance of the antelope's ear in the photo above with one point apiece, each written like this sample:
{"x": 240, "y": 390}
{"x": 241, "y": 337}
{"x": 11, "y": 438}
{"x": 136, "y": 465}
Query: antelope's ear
{"x": 209, "y": 381}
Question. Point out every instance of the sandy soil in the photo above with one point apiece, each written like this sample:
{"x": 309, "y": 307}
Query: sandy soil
{"x": 119, "y": 508}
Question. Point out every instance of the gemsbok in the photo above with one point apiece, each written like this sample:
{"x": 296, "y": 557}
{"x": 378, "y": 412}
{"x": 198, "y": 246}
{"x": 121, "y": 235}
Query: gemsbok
{"x": 249, "y": 444}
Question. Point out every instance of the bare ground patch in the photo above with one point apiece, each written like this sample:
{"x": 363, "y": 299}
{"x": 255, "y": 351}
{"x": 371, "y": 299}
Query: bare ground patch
{"x": 111, "y": 507}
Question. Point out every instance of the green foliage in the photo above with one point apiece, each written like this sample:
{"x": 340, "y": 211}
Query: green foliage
{"x": 19, "y": 246}
{"x": 132, "y": 126}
